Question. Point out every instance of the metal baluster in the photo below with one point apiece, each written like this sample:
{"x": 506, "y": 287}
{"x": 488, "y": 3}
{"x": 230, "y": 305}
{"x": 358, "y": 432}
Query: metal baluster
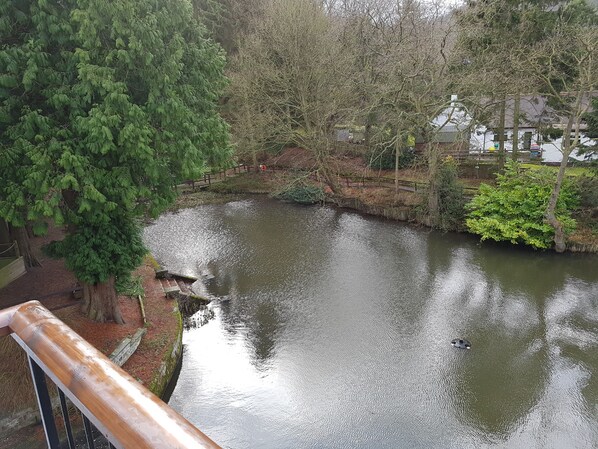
{"x": 45, "y": 404}
{"x": 67, "y": 420}
{"x": 88, "y": 432}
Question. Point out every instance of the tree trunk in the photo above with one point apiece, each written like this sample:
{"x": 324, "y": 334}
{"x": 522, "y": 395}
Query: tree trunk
{"x": 323, "y": 168}
{"x": 516, "y": 109}
{"x": 433, "y": 194}
{"x": 22, "y": 239}
{"x": 100, "y": 302}
{"x": 252, "y": 146}
{"x": 567, "y": 147}
{"x": 397, "y": 156}
{"x": 559, "y": 234}
{"x": 501, "y": 134}
{"x": 329, "y": 178}
{"x": 367, "y": 135}
{"x": 370, "y": 121}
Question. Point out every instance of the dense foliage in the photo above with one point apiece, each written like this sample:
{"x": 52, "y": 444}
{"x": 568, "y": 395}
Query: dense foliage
{"x": 451, "y": 205}
{"x": 513, "y": 210}
{"x": 302, "y": 193}
{"x": 104, "y": 106}
{"x": 591, "y": 121}
{"x": 448, "y": 197}
{"x": 587, "y": 191}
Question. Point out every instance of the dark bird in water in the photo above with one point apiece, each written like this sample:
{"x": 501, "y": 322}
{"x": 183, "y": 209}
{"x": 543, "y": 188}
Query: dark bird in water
{"x": 461, "y": 344}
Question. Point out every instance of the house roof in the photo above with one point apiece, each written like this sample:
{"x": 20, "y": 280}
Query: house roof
{"x": 534, "y": 112}
{"x": 453, "y": 119}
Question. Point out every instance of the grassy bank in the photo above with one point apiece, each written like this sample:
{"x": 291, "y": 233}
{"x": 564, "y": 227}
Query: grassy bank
{"x": 369, "y": 197}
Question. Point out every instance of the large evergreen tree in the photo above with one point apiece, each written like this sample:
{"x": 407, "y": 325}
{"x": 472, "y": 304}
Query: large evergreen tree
{"x": 104, "y": 106}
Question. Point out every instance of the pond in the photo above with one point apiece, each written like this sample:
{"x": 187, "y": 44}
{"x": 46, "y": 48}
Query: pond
{"x": 333, "y": 330}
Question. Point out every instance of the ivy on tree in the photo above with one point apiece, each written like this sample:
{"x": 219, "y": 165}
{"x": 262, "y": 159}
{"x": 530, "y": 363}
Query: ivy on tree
{"x": 104, "y": 107}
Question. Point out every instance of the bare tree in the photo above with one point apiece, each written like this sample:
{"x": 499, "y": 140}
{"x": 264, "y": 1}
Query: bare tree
{"x": 412, "y": 90}
{"x": 567, "y": 66}
{"x": 494, "y": 41}
{"x": 400, "y": 66}
{"x": 290, "y": 73}
{"x": 549, "y": 48}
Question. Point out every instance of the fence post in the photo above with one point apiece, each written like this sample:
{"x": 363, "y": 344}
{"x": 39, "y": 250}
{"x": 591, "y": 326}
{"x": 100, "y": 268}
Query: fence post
{"x": 45, "y": 404}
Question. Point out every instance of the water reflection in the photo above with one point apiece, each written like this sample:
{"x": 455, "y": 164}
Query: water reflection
{"x": 334, "y": 331}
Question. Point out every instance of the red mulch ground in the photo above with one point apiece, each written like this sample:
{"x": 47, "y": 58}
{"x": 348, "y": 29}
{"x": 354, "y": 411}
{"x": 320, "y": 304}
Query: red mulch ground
{"x": 52, "y": 285}
{"x": 302, "y": 159}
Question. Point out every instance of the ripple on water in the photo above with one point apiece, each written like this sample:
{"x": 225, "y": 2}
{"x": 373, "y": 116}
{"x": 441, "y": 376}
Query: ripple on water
{"x": 338, "y": 327}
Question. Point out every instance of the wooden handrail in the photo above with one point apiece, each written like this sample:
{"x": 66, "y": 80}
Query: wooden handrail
{"x": 126, "y": 412}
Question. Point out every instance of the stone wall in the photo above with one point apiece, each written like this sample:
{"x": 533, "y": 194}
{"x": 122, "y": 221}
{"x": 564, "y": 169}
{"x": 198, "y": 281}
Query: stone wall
{"x": 168, "y": 368}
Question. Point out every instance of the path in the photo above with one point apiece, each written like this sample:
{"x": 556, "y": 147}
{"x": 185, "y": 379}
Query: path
{"x": 52, "y": 284}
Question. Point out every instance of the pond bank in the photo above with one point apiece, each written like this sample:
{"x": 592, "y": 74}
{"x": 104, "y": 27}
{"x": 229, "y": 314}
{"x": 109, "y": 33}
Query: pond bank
{"x": 372, "y": 200}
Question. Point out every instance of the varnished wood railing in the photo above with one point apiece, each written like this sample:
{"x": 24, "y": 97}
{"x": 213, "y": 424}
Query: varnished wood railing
{"x": 124, "y": 411}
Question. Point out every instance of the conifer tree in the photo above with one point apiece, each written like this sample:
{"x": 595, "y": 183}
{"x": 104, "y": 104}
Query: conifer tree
{"x": 104, "y": 106}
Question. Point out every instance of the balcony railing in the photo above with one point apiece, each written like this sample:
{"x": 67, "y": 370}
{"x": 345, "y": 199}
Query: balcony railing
{"x": 110, "y": 400}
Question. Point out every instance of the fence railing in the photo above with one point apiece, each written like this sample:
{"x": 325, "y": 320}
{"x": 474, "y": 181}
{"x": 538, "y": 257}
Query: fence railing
{"x": 9, "y": 250}
{"x": 113, "y": 404}
{"x": 208, "y": 178}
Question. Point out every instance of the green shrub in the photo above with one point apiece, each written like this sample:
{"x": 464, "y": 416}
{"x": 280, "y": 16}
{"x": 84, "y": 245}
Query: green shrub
{"x": 129, "y": 285}
{"x": 451, "y": 203}
{"x": 587, "y": 189}
{"x": 302, "y": 194}
{"x": 551, "y": 134}
{"x": 513, "y": 210}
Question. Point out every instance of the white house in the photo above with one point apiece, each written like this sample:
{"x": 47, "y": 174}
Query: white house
{"x": 535, "y": 115}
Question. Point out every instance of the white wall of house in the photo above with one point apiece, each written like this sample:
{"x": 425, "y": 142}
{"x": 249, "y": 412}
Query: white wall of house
{"x": 482, "y": 141}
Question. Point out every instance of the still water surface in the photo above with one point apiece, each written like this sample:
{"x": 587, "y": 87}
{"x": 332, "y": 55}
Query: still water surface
{"x": 334, "y": 331}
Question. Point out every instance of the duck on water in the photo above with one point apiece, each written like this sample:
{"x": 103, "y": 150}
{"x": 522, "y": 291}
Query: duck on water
{"x": 461, "y": 343}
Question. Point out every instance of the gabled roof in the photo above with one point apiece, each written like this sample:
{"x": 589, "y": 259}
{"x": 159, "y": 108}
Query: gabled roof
{"x": 453, "y": 119}
{"x": 534, "y": 112}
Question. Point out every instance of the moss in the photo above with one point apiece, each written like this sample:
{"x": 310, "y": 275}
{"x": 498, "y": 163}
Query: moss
{"x": 152, "y": 262}
{"x": 130, "y": 286}
{"x": 171, "y": 359}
